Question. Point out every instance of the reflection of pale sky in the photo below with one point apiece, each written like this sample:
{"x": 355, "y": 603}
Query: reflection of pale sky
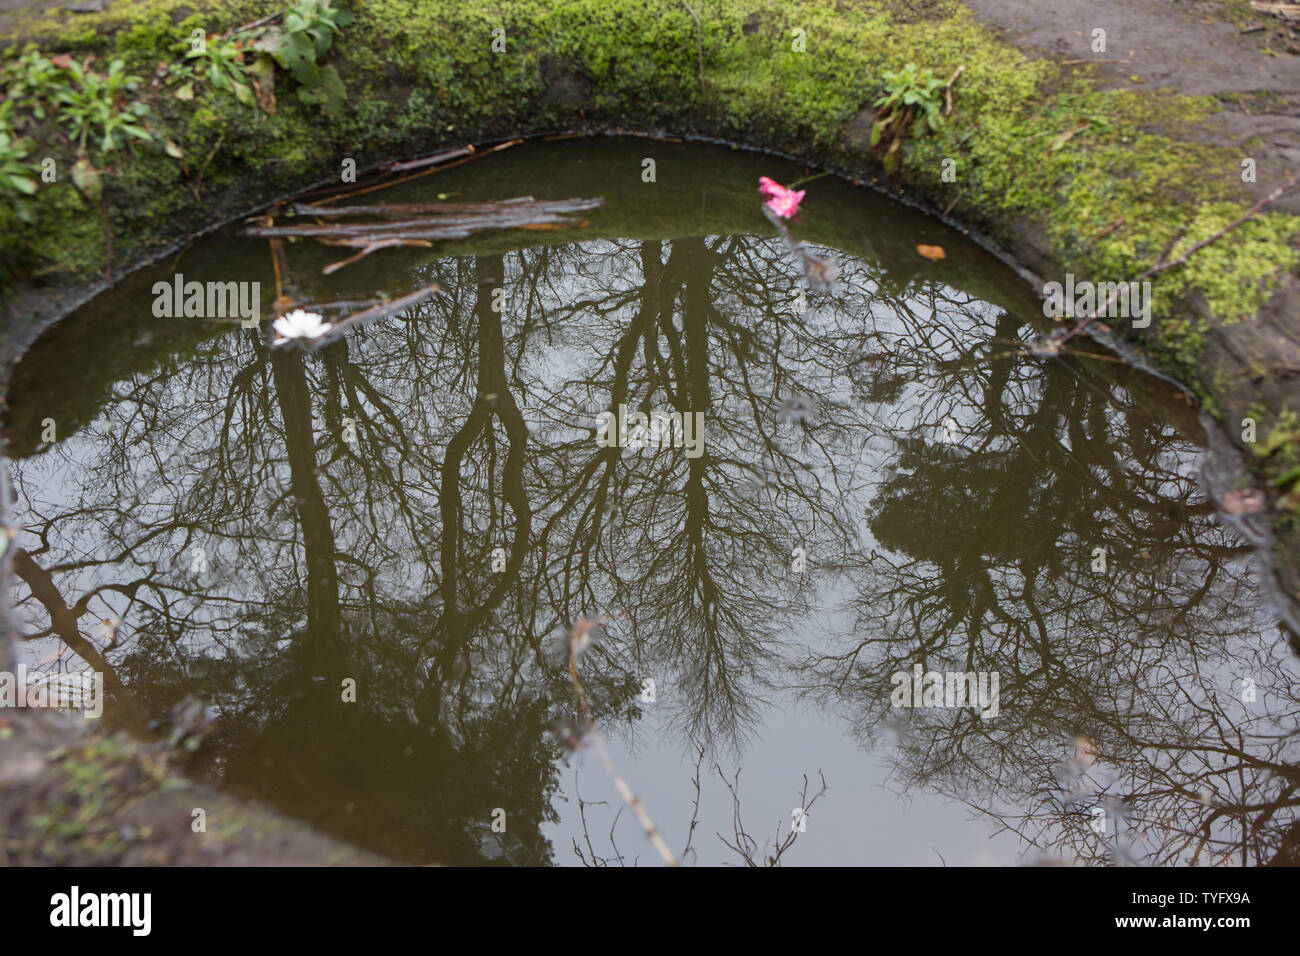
{"x": 863, "y": 818}
{"x": 860, "y": 819}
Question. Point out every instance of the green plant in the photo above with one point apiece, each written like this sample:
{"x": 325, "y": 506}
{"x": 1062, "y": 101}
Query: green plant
{"x": 307, "y": 35}
{"x": 916, "y": 91}
{"x": 221, "y": 62}
{"x": 95, "y": 102}
{"x": 913, "y": 101}
{"x": 34, "y": 80}
{"x": 17, "y": 178}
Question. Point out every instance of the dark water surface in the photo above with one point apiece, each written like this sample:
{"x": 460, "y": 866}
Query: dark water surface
{"x": 885, "y": 481}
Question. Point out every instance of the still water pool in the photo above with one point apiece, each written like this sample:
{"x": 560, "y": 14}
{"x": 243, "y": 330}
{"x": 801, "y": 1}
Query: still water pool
{"x": 883, "y": 488}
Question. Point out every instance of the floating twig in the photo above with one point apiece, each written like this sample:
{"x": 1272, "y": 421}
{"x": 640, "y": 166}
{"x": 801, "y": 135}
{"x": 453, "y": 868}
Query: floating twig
{"x": 461, "y": 155}
{"x": 381, "y": 311}
{"x": 370, "y": 247}
{"x": 579, "y": 637}
{"x": 395, "y": 210}
{"x": 418, "y": 224}
{"x": 428, "y": 160}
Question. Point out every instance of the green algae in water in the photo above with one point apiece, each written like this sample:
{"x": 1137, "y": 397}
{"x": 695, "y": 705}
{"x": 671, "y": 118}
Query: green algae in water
{"x": 886, "y": 487}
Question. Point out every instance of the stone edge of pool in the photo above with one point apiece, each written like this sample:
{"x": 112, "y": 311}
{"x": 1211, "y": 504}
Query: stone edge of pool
{"x": 53, "y": 765}
{"x": 1061, "y": 166}
{"x": 1056, "y": 167}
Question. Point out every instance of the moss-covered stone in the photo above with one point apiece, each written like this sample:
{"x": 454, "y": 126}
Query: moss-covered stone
{"x": 72, "y": 795}
{"x": 1110, "y": 178}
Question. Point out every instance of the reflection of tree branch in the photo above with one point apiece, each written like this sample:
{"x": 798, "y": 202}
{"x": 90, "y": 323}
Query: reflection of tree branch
{"x": 744, "y": 845}
{"x": 64, "y": 622}
{"x": 493, "y": 400}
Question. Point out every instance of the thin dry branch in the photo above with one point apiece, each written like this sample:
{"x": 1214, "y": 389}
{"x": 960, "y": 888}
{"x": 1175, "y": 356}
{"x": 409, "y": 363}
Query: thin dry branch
{"x": 519, "y": 205}
{"x": 699, "y": 40}
{"x": 419, "y": 224}
{"x": 579, "y": 636}
{"x": 947, "y": 90}
{"x": 695, "y": 812}
{"x": 252, "y": 26}
{"x": 382, "y": 310}
{"x": 370, "y": 247}
{"x": 430, "y": 164}
{"x": 1164, "y": 266}
{"x": 745, "y": 846}
{"x": 1272, "y": 197}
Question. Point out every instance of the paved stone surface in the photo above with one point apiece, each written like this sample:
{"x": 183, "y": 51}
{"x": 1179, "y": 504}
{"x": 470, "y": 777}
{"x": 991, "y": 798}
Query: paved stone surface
{"x": 1186, "y": 46}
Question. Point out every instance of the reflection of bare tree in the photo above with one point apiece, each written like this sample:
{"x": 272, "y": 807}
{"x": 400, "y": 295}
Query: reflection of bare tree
{"x": 990, "y": 566}
{"x": 422, "y": 507}
{"x": 323, "y": 640}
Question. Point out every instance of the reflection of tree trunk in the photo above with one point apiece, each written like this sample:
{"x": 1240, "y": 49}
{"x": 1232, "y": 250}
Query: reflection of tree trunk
{"x": 493, "y": 400}
{"x": 324, "y": 645}
{"x": 657, "y": 288}
{"x": 999, "y": 374}
{"x": 63, "y": 620}
{"x": 695, "y": 334}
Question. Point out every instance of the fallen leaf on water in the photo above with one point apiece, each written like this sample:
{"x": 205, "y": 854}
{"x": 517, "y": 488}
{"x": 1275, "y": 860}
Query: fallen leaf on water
{"x": 1085, "y": 753}
{"x": 932, "y": 252}
{"x": 1248, "y": 502}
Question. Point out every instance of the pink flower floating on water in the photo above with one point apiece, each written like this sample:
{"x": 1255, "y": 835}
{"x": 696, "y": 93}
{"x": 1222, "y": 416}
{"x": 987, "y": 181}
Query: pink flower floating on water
{"x": 784, "y": 202}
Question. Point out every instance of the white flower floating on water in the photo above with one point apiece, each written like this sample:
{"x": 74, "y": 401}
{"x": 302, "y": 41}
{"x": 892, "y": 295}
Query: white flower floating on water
{"x": 299, "y": 324}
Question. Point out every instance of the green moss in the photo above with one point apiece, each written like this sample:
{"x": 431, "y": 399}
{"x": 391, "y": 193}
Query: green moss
{"x": 1235, "y": 277}
{"x": 1241, "y": 14}
{"x": 150, "y": 42}
{"x": 96, "y": 779}
{"x": 1179, "y": 341}
{"x": 1281, "y": 437}
{"x": 55, "y": 28}
{"x": 1108, "y": 175}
